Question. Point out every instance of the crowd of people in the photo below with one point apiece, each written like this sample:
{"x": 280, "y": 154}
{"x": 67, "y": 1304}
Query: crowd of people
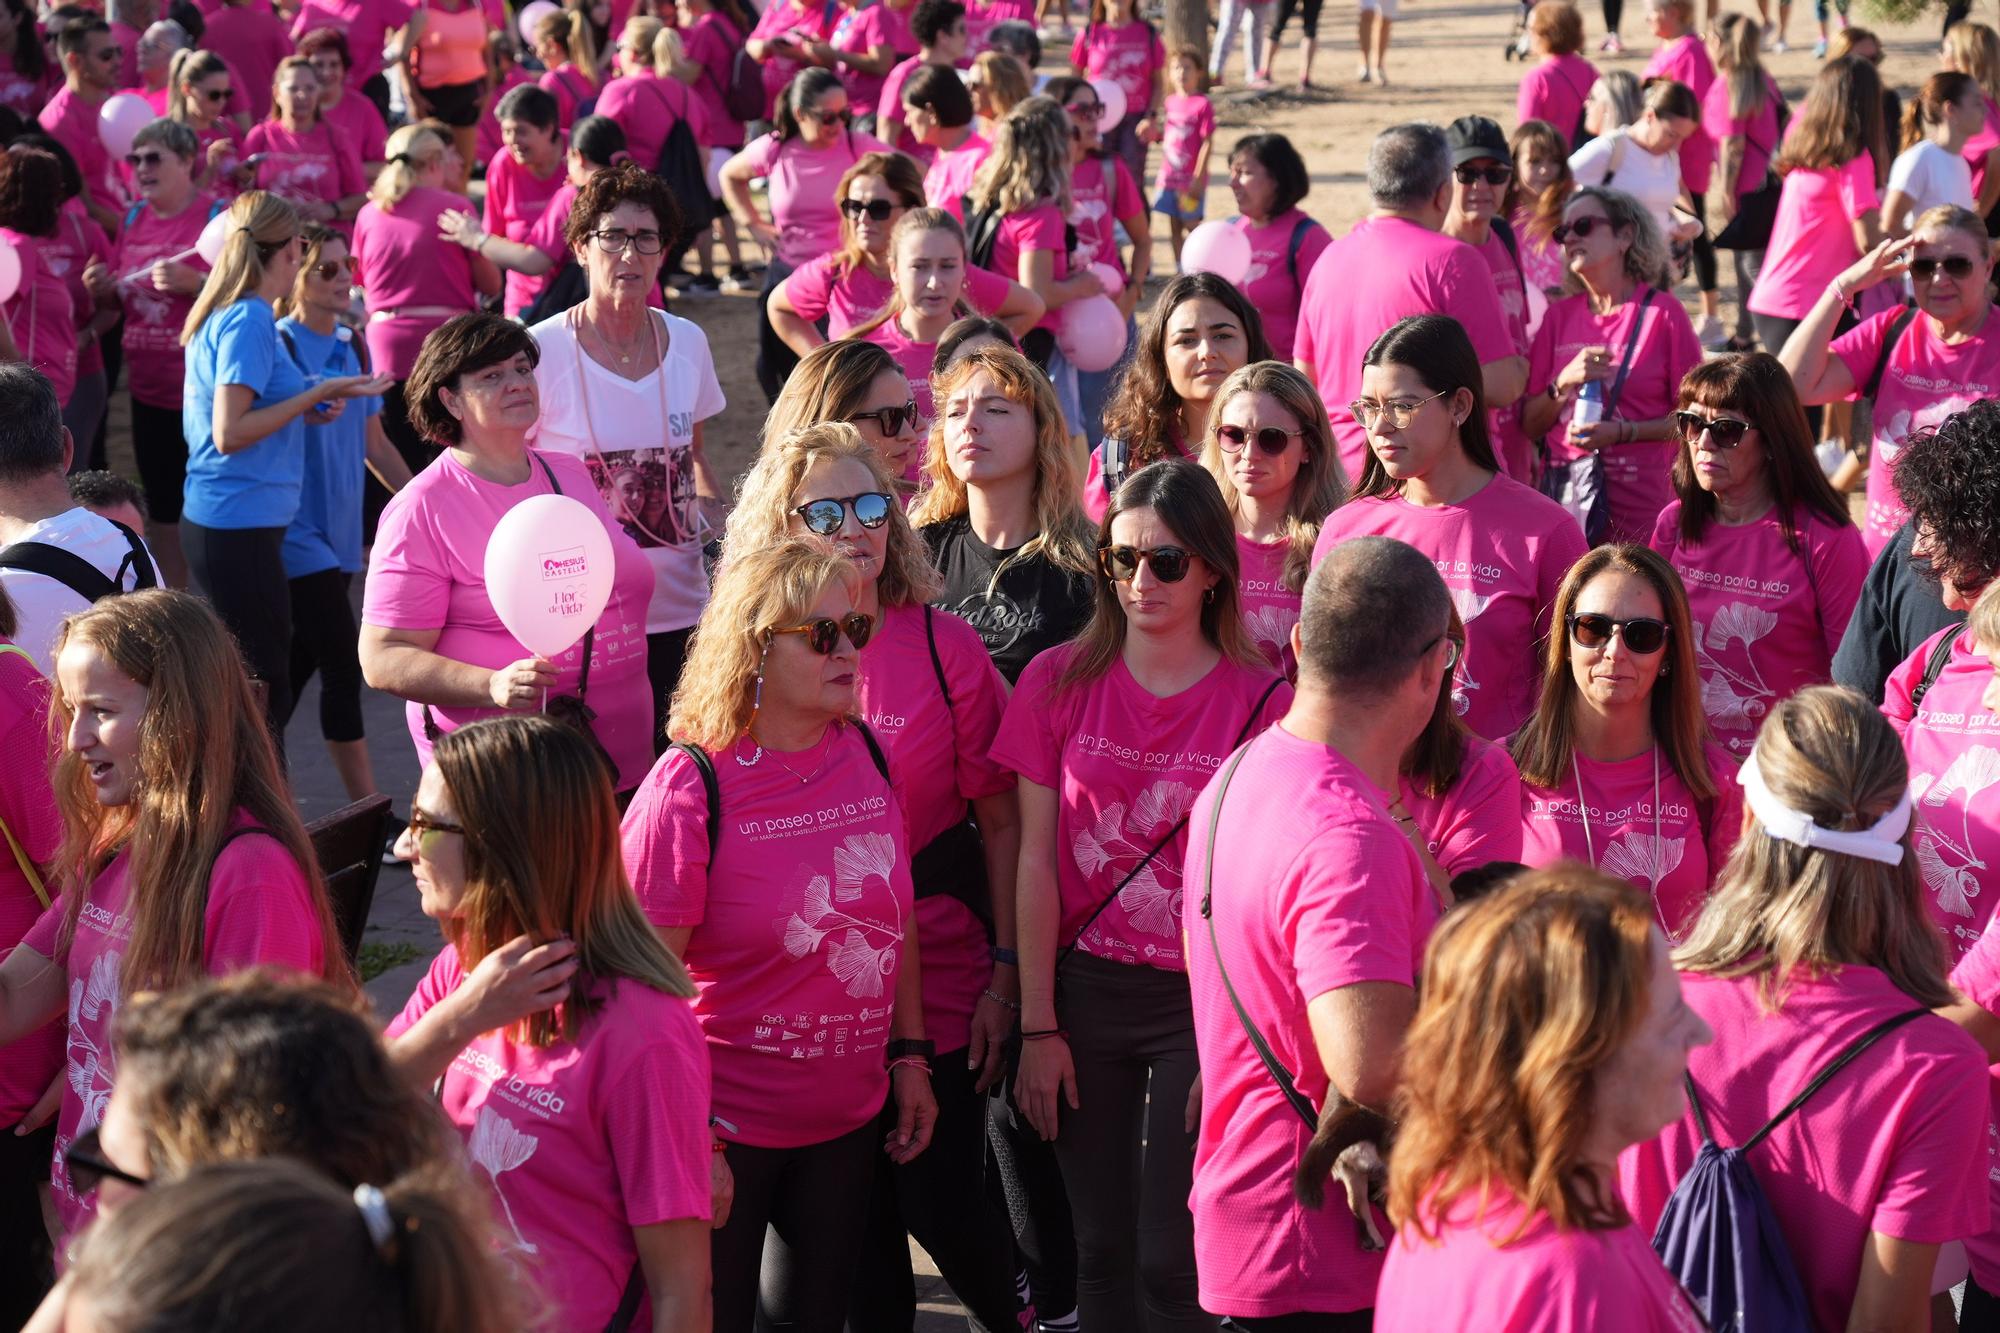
{"x": 1332, "y": 820}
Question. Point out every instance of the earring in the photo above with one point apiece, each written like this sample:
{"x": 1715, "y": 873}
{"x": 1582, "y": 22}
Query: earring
{"x": 1209, "y": 596}
{"x": 756, "y": 702}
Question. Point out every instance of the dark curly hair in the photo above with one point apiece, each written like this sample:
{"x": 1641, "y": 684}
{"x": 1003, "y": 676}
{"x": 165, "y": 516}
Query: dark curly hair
{"x": 625, "y": 183}
{"x": 31, "y": 190}
{"x": 1949, "y": 480}
{"x": 1145, "y": 412}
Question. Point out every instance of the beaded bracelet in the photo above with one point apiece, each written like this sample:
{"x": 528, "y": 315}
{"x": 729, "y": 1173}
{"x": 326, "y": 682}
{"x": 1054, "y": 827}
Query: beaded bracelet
{"x": 998, "y": 998}
{"x": 915, "y": 1061}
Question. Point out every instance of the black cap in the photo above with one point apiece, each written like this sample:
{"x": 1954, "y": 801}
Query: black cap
{"x": 1474, "y": 137}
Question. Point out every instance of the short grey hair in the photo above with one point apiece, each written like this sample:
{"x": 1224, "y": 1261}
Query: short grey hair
{"x": 171, "y": 135}
{"x": 31, "y": 429}
{"x": 1646, "y": 260}
{"x": 1372, "y": 608}
{"x": 1408, "y": 165}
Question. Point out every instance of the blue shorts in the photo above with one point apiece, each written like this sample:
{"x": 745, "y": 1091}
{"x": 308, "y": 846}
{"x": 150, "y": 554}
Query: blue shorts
{"x": 1167, "y": 203}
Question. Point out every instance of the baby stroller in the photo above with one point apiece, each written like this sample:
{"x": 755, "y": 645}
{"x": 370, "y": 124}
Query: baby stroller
{"x": 1517, "y": 41}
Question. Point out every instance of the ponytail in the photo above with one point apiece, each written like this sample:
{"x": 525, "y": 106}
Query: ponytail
{"x": 190, "y": 65}
{"x": 259, "y": 224}
{"x": 806, "y": 87}
{"x": 1932, "y": 104}
{"x": 410, "y": 148}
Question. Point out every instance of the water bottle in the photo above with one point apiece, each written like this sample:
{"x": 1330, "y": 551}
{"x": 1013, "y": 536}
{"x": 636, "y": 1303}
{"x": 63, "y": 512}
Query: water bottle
{"x": 1588, "y": 409}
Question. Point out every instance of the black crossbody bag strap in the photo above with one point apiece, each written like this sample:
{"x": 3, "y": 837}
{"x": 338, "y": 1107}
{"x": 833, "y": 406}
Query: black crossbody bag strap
{"x": 1820, "y": 1080}
{"x": 1934, "y": 665}
{"x": 1617, "y": 389}
{"x": 1300, "y": 1103}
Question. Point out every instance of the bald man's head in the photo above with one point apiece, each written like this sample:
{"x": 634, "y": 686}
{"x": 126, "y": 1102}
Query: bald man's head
{"x": 1372, "y": 609}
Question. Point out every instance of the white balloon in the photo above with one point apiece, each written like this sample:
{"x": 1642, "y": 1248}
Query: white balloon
{"x": 549, "y": 570}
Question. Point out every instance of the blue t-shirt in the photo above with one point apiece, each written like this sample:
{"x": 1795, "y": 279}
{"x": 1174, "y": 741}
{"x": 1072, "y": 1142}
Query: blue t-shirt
{"x": 326, "y": 532}
{"x": 256, "y": 487}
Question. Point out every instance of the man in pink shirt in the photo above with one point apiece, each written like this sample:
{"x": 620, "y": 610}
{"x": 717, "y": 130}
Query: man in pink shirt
{"x": 1304, "y": 894}
{"x": 90, "y": 72}
{"x": 1392, "y": 265}
{"x": 129, "y": 21}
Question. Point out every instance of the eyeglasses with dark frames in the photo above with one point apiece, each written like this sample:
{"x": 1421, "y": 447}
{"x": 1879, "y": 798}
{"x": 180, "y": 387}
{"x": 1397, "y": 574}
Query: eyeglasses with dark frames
{"x": 1956, "y": 267}
{"x": 1273, "y": 440}
{"x": 889, "y": 420}
{"x": 1496, "y": 176}
{"x": 876, "y": 210}
{"x": 1641, "y": 634}
{"x": 614, "y": 242}
{"x": 88, "y": 1166}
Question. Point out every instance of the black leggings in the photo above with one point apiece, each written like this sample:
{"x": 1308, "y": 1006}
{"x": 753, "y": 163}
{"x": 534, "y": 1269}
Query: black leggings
{"x": 1127, "y": 1156}
{"x": 163, "y": 459}
{"x": 785, "y": 1262}
{"x": 418, "y": 452}
{"x": 1031, "y": 1189}
{"x": 1353, "y": 1321}
{"x": 1706, "y": 275}
{"x": 26, "y": 1258}
{"x": 326, "y": 639}
{"x": 666, "y": 654}
{"x": 775, "y": 358}
{"x": 941, "y": 1199}
{"x": 1308, "y": 18}
{"x": 1613, "y": 11}
{"x": 242, "y": 573}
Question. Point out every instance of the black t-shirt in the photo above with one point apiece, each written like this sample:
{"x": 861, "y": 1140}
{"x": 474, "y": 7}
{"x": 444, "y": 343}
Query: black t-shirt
{"x": 1035, "y": 606}
{"x": 1898, "y": 609}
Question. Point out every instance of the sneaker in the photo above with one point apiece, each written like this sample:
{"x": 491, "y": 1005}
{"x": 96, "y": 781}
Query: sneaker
{"x": 1611, "y": 46}
{"x": 740, "y": 280}
{"x": 393, "y": 833}
{"x": 1382, "y": 78}
{"x": 1365, "y": 74}
{"x": 1712, "y": 336}
{"x": 1819, "y": 49}
{"x": 1779, "y": 47}
{"x": 704, "y": 284}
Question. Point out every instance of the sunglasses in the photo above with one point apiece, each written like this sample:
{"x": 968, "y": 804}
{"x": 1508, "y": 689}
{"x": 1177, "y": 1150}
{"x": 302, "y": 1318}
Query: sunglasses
{"x": 138, "y": 160}
{"x": 890, "y": 420}
{"x": 1494, "y": 176}
{"x": 426, "y": 829}
{"x": 1722, "y": 432}
{"x": 217, "y": 95}
{"x": 1642, "y": 635}
{"x": 1120, "y": 564}
{"x": 823, "y": 635}
{"x": 333, "y": 268}
{"x": 1958, "y": 267}
{"x": 1270, "y": 439}
{"x": 1580, "y": 229}
{"x": 89, "y": 1167}
{"x": 877, "y": 210}
{"x": 824, "y": 517}
{"x": 1090, "y": 111}
{"x": 840, "y": 117}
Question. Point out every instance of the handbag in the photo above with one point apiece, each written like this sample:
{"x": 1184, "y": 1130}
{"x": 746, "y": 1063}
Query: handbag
{"x": 1757, "y": 211}
{"x": 1577, "y": 484}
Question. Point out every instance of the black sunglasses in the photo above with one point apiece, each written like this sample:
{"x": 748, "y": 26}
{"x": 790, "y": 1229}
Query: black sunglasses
{"x": 824, "y": 517}
{"x": 89, "y": 1167}
{"x": 1494, "y": 176}
{"x": 890, "y": 420}
{"x": 137, "y": 160}
{"x": 217, "y": 95}
{"x": 1580, "y": 229}
{"x": 1957, "y": 267}
{"x": 1270, "y": 439}
{"x": 1642, "y": 635}
{"x": 878, "y": 210}
{"x": 840, "y": 117}
{"x": 823, "y": 635}
{"x": 1723, "y": 432}
{"x": 1120, "y": 564}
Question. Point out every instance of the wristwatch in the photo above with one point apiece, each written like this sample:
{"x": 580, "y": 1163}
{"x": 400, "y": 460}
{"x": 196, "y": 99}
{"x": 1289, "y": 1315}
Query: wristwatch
{"x": 907, "y": 1046}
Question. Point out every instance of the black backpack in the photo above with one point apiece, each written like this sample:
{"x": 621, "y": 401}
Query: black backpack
{"x": 683, "y": 167}
{"x": 79, "y": 575}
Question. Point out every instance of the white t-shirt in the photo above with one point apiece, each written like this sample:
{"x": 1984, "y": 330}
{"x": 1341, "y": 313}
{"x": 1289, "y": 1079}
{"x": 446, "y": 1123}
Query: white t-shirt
{"x": 634, "y": 435}
{"x": 1930, "y": 176}
{"x": 1653, "y": 179}
{"x": 40, "y": 602}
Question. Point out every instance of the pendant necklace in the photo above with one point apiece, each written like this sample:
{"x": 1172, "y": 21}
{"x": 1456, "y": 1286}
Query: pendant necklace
{"x": 1590, "y": 846}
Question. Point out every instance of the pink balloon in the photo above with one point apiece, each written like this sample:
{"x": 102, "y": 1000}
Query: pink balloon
{"x": 549, "y": 569}
{"x": 532, "y": 15}
{"x": 10, "y": 271}
{"x": 1112, "y": 94}
{"x": 119, "y": 121}
{"x": 209, "y": 244}
{"x": 1217, "y": 247}
{"x": 1111, "y": 276}
{"x": 1091, "y": 333}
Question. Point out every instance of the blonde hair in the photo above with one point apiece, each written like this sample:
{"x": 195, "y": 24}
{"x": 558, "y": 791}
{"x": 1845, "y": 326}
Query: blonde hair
{"x": 1029, "y": 164}
{"x": 769, "y": 491}
{"x": 905, "y": 180}
{"x": 756, "y": 592}
{"x": 1320, "y": 485}
{"x": 1062, "y": 535}
{"x": 1008, "y": 82}
{"x": 916, "y": 223}
{"x": 1974, "y": 48}
{"x": 1952, "y": 217}
{"x": 668, "y": 52}
{"x": 1527, "y": 995}
{"x": 260, "y": 224}
{"x": 1984, "y": 619}
{"x": 1740, "y": 42}
{"x": 568, "y": 30}
{"x": 1778, "y": 908}
{"x": 645, "y": 30}
{"x": 312, "y": 240}
{"x": 410, "y": 148}
{"x": 828, "y": 384}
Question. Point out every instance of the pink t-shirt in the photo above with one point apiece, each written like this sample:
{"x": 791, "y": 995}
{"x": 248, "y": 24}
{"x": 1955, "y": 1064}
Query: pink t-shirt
{"x": 1638, "y": 477}
{"x": 1767, "y": 619}
{"x": 1893, "y": 1144}
{"x": 857, "y": 32}
{"x": 891, "y": 105}
{"x": 799, "y": 921}
{"x": 319, "y": 166}
{"x": 1478, "y": 817}
{"x": 1384, "y": 269}
{"x": 398, "y": 264}
{"x": 1813, "y": 238}
{"x": 360, "y": 124}
{"x": 1685, "y": 61}
{"x": 646, "y": 108}
{"x": 1096, "y": 204}
{"x": 1977, "y": 977}
{"x": 1190, "y": 123}
{"x": 1038, "y": 228}
{"x": 42, "y": 315}
{"x": 1555, "y": 91}
{"x": 253, "y": 40}
{"x": 567, "y": 84}
{"x": 951, "y": 172}
{"x": 28, "y": 810}
{"x": 1275, "y": 281}
{"x": 1130, "y": 54}
{"x": 713, "y": 43}
{"x": 1313, "y": 890}
{"x": 1983, "y": 141}
{"x": 808, "y": 21}
{"x": 153, "y": 318}
{"x": 1759, "y": 130}
{"x": 1510, "y": 286}
{"x": 844, "y": 295}
{"x": 1546, "y": 1281}
{"x": 366, "y": 23}
{"x": 72, "y": 122}
{"x": 983, "y": 16}
{"x": 1502, "y": 552}
{"x": 983, "y": 291}
{"x": 224, "y": 130}
{"x": 78, "y": 243}
{"x": 803, "y": 186}
{"x": 516, "y": 199}
{"x": 583, "y": 1140}
{"x": 1925, "y": 381}
{"x": 940, "y": 746}
{"x": 491, "y": 138}
{"x": 1096, "y": 491}
{"x": 1614, "y": 829}
{"x": 260, "y": 913}
{"x": 1126, "y": 765}
{"x": 1270, "y": 609}
{"x": 429, "y": 573}
{"x": 22, "y": 95}
{"x": 1952, "y": 742}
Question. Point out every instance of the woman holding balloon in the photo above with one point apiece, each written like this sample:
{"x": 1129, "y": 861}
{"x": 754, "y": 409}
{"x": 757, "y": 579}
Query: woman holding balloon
{"x": 447, "y": 612}
{"x": 38, "y": 307}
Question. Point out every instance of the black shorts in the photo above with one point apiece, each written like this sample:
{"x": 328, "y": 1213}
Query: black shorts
{"x": 457, "y": 104}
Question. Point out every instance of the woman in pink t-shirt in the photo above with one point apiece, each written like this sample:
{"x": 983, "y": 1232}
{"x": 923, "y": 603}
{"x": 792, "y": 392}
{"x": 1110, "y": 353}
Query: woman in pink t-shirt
{"x": 1943, "y": 360}
{"x": 344, "y": 106}
{"x": 1270, "y": 449}
{"x": 1534, "y": 207}
{"x": 1974, "y": 48}
{"x": 152, "y": 703}
{"x": 1770, "y": 559}
{"x": 27, "y": 74}
{"x": 1618, "y": 769}
{"x": 828, "y": 295}
{"x": 1431, "y": 480}
{"x": 867, "y": 41}
{"x": 588, "y": 1114}
{"x": 199, "y": 96}
{"x": 1634, "y": 343}
{"x": 859, "y": 383}
{"x": 523, "y": 179}
{"x": 41, "y": 312}
{"x": 1120, "y": 46}
{"x": 1201, "y": 331}
{"x": 562, "y": 43}
{"x": 1683, "y": 57}
{"x": 1555, "y": 90}
{"x": 770, "y": 847}
{"x": 1113, "y": 736}
{"x": 1740, "y": 114}
{"x": 1815, "y": 938}
{"x": 1269, "y": 179}
{"x": 299, "y": 156}
{"x": 1504, "y": 1189}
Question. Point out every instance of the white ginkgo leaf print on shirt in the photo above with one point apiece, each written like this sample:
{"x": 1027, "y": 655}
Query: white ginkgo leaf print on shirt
{"x": 1740, "y": 620}
{"x": 1152, "y": 899}
{"x": 497, "y": 1147}
{"x": 1093, "y": 847}
{"x": 1160, "y": 805}
{"x": 1641, "y": 858}
{"x": 1955, "y": 888}
{"x": 861, "y": 966}
{"x": 863, "y": 951}
{"x": 857, "y": 860}
{"x": 1953, "y": 878}
{"x": 1723, "y": 704}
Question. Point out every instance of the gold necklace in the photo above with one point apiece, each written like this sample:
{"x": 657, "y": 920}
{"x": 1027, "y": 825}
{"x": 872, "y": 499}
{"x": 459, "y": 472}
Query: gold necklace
{"x": 825, "y": 749}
